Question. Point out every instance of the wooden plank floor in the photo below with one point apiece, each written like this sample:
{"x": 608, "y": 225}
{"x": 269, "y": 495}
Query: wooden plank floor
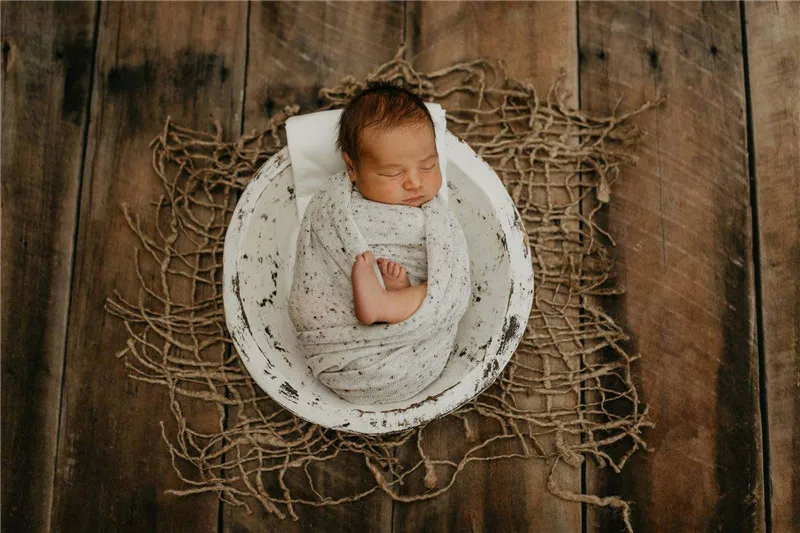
{"x": 707, "y": 225}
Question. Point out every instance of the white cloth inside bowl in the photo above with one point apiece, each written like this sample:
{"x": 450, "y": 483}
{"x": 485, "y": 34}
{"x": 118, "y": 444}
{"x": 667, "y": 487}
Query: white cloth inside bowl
{"x": 311, "y": 139}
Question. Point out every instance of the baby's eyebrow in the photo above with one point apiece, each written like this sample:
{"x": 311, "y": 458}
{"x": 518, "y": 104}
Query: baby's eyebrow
{"x": 396, "y": 165}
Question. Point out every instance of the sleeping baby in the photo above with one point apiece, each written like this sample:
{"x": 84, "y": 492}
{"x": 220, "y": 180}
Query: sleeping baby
{"x": 381, "y": 276}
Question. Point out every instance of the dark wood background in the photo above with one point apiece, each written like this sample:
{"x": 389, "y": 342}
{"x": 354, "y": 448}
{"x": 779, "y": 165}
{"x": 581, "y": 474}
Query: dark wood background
{"x": 708, "y": 231}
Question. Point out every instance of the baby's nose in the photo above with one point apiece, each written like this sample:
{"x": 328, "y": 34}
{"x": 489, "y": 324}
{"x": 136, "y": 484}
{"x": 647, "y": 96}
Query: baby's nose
{"x": 413, "y": 182}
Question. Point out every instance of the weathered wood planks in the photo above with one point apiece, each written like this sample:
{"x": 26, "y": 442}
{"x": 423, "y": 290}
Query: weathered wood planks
{"x": 47, "y": 58}
{"x": 535, "y": 40}
{"x": 296, "y": 48}
{"x": 773, "y": 53}
{"x": 153, "y": 60}
{"x": 683, "y": 226}
{"x": 681, "y": 219}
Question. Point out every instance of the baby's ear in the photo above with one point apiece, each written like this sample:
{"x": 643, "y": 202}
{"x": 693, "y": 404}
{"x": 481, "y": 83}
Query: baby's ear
{"x": 348, "y": 163}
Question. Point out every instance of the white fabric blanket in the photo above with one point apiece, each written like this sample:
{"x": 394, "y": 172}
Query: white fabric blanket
{"x": 379, "y": 363}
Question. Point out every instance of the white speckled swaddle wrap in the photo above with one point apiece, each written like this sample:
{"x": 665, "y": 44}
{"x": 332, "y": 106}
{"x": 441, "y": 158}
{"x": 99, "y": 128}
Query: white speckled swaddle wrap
{"x": 379, "y": 363}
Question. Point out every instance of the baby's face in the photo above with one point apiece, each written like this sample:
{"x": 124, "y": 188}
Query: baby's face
{"x": 399, "y": 166}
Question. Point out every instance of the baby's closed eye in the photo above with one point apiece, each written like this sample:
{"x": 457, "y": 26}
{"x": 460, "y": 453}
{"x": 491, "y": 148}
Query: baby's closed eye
{"x": 428, "y": 168}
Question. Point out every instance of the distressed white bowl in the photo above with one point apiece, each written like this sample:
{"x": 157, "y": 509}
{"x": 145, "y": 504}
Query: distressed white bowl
{"x": 258, "y": 261}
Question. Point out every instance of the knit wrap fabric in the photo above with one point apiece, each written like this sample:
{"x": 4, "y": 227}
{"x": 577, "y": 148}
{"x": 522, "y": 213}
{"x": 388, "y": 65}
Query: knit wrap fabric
{"x": 378, "y": 363}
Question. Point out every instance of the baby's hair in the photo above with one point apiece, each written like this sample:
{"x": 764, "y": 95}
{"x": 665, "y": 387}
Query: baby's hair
{"x": 381, "y": 104}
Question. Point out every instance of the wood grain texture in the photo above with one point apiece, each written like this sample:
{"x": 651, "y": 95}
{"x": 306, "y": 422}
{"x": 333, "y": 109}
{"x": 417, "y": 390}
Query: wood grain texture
{"x": 296, "y": 48}
{"x": 773, "y": 51}
{"x": 682, "y": 221}
{"x": 535, "y": 40}
{"x": 47, "y": 59}
{"x": 153, "y": 60}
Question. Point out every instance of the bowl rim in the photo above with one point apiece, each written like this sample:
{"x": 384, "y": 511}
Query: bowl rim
{"x": 374, "y": 421}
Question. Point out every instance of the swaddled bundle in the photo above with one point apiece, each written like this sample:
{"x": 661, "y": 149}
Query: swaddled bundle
{"x": 379, "y": 363}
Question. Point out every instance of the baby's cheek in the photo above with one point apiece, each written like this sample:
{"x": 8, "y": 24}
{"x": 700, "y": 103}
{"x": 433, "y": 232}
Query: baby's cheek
{"x": 437, "y": 181}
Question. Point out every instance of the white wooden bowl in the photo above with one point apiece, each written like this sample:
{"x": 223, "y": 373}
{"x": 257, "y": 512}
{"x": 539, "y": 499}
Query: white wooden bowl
{"x": 258, "y": 261}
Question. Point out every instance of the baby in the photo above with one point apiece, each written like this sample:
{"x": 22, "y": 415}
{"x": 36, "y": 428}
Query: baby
{"x": 375, "y": 245}
{"x": 386, "y": 137}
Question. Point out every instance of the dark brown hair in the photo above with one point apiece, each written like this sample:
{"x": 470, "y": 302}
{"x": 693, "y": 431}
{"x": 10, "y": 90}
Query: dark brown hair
{"x": 381, "y": 104}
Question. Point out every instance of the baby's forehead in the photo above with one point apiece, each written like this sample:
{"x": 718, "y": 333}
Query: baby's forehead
{"x": 374, "y": 132}
{"x": 386, "y": 153}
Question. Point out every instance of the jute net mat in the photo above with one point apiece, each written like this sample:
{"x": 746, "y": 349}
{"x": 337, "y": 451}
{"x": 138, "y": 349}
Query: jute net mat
{"x": 567, "y": 393}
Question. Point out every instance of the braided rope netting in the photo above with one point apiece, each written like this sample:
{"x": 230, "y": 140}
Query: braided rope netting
{"x": 566, "y": 394}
